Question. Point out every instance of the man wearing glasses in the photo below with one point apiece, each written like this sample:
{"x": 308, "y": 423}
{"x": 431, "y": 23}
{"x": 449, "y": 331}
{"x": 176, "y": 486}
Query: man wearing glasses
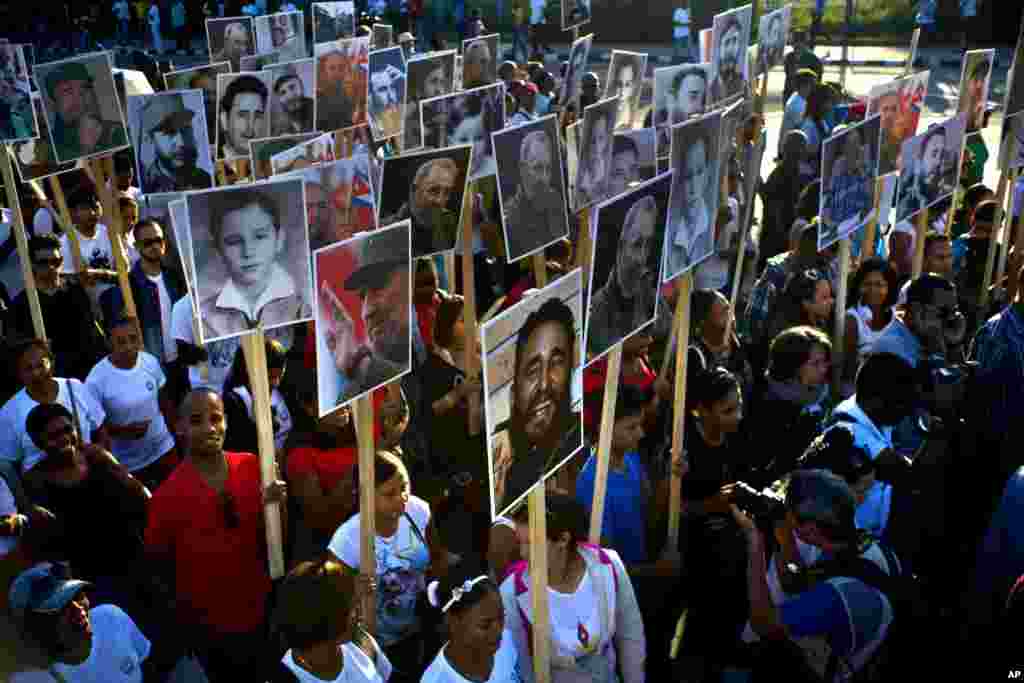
{"x": 154, "y": 289}
{"x": 75, "y": 338}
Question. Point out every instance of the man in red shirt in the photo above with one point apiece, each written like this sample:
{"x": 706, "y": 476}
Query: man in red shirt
{"x": 206, "y": 530}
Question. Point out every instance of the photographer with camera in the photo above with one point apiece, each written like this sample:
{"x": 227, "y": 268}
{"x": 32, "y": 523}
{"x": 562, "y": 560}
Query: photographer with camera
{"x": 823, "y": 605}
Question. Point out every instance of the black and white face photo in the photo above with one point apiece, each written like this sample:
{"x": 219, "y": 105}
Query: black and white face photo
{"x": 17, "y": 115}
{"x": 428, "y": 77}
{"x": 169, "y": 137}
{"x": 625, "y": 80}
{"x": 387, "y": 92}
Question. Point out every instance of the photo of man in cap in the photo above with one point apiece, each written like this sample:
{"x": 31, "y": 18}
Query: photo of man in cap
{"x": 230, "y": 39}
{"x": 170, "y": 156}
{"x": 363, "y": 333}
{"x": 427, "y": 188}
{"x": 17, "y": 121}
{"x": 293, "y": 111}
{"x": 341, "y": 83}
{"x": 387, "y": 92}
{"x": 74, "y": 90}
{"x": 533, "y": 200}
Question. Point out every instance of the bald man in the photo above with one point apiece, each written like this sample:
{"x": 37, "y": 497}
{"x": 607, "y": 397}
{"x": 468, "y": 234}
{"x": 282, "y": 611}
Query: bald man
{"x": 535, "y": 215}
{"x": 237, "y": 43}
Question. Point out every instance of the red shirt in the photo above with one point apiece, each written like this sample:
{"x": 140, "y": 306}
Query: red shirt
{"x": 328, "y": 466}
{"x": 221, "y": 574}
{"x": 425, "y": 315}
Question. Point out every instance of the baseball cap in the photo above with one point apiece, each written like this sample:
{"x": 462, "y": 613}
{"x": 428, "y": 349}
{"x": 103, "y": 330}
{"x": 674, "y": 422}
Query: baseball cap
{"x": 70, "y": 71}
{"x": 165, "y": 112}
{"x": 44, "y": 589}
{"x": 382, "y": 253}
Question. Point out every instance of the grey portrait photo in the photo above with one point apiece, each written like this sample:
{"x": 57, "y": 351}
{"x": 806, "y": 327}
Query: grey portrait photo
{"x": 382, "y": 36}
{"x": 849, "y": 169}
{"x": 17, "y": 115}
{"x": 426, "y": 188}
{"x": 82, "y": 109}
{"x": 625, "y": 79}
{"x": 333, "y": 21}
{"x": 428, "y": 76}
{"x": 593, "y": 174}
{"x": 626, "y": 264}
{"x": 578, "y": 56}
{"x": 35, "y": 158}
{"x": 250, "y": 247}
{"x": 242, "y": 112}
{"x": 574, "y": 13}
{"x": 730, "y": 36}
{"x": 680, "y": 93}
{"x": 531, "y": 187}
{"x": 230, "y": 39}
{"x": 633, "y": 159}
{"x": 466, "y": 117}
{"x": 283, "y": 33}
{"x": 363, "y": 290}
{"x": 201, "y": 78}
{"x": 480, "y": 61}
{"x": 292, "y": 106}
{"x": 172, "y": 152}
{"x": 693, "y": 205}
{"x": 773, "y": 36}
{"x": 931, "y": 167}
{"x": 387, "y": 93}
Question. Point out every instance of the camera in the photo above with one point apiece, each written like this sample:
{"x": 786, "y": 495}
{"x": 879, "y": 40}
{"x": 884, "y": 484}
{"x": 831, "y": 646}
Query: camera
{"x": 766, "y": 506}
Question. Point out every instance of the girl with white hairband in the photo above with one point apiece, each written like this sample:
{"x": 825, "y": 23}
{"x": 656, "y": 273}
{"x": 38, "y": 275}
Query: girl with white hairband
{"x": 479, "y": 650}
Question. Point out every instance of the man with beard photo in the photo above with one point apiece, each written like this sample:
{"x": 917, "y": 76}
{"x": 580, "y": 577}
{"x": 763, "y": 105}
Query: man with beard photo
{"x": 339, "y": 102}
{"x": 243, "y": 115}
{"x": 430, "y": 77}
{"x": 78, "y": 129}
{"x": 387, "y": 93}
{"x": 849, "y": 192}
{"x": 535, "y": 215}
{"x": 434, "y": 225}
{"x": 889, "y": 107}
{"x": 165, "y": 123}
{"x": 542, "y": 429}
{"x": 691, "y": 216}
{"x": 773, "y": 42}
{"x": 296, "y": 109}
{"x": 921, "y": 182}
{"x": 729, "y": 80}
{"x": 237, "y": 43}
{"x": 627, "y": 300}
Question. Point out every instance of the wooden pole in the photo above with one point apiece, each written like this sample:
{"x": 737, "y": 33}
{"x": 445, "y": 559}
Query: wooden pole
{"x": 67, "y": 224}
{"x": 682, "y": 319}
{"x": 540, "y": 270}
{"x": 104, "y": 173}
{"x": 604, "y": 443}
{"x": 255, "y": 350}
{"x": 867, "y": 248}
{"x": 1007, "y": 220}
{"x": 753, "y": 174}
{"x": 363, "y": 413}
{"x": 469, "y": 307}
{"x": 584, "y": 244}
{"x": 21, "y": 241}
{"x": 839, "y": 330}
{"x": 920, "y": 231}
{"x": 539, "y": 585}
{"x": 449, "y": 269}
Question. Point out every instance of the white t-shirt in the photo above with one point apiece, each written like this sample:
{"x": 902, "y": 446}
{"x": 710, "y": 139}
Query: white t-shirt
{"x": 506, "y": 666}
{"x": 281, "y": 416}
{"x": 96, "y": 253}
{"x": 15, "y": 443}
{"x": 358, "y": 667}
{"x": 118, "y": 650}
{"x": 10, "y": 269}
{"x": 7, "y": 507}
{"x": 221, "y": 353}
{"x": 170, "y": 348}
{"x": 576, "y": 620}
{"x": 133, "y": 396}
{"x": 402, "y": 561}
{"x": 681, "y": 23}
{"x": 42, "y": 221}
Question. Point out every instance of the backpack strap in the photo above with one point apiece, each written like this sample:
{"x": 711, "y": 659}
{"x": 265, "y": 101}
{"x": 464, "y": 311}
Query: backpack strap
{"x": 415, "y": 529}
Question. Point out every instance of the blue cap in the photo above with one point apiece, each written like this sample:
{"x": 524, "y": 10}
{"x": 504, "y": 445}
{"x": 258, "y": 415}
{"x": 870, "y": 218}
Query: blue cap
{"x": 44, "y": 589}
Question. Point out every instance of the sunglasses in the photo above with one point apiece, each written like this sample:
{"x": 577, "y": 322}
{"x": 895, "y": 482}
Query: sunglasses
{"x": 152, "y": 241}
{"x": 231, "y": 516}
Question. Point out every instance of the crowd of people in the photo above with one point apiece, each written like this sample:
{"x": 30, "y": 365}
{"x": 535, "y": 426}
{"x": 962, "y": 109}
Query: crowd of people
{"x": 828, "y": 530}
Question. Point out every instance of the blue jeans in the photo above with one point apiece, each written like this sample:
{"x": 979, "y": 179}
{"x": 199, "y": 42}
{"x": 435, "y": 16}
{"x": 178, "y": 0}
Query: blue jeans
{"x": 520, "y": 42}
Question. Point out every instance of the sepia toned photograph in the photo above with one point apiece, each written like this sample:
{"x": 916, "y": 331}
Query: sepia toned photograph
{"x": 626, "y": 264}
{"x": 17, "y": 115}
{"x": 363, "y": 309}
{"x": 428, "y": 76}
{"x": 333, "y": 21}
{"x": 342, "y": 83}
{"x": 230, "y": 39}
{"x": 292, "y": 106}
{"x": 931, "y": 167}
{"x": 534, "y": 419}
{"x": 625, "y": 80}
{"x": 426, "y": 188}
{"x": 283, "y": 33}
{"x": 595, "y": 159}
{"x": 730, "y": 36}
{"x": 899, "y": 103}
{"x": 480, "y": 61}
{"x": 467, "y": 117}
{"x": 680, "y": 93}
{"x": 202, "y": 78}
{"x": 36, "y": 158}
{"x": 251, "y": 255}
{"x": 172, "y": 153}
{"x": 849, "y": 169}
{"x": 83, "y": 113}
{"x": 531, "y": 187}
{"x": 387, "y": 93}
{"x": 242, "y": 101}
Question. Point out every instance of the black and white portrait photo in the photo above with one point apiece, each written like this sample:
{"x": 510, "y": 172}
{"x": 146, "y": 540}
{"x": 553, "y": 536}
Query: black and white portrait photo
{"x": 172, "y": 152}
{"x": 230, "y": 39}
{"x": 593, "y": 173}
{"x": 532, "y": 370}
{"x": 283, "y": 33}
{"x": 35, "y": 158}
{"x": 849, "y": 168}
{"x": 693, "y": 204}
{"x": 680, "y": 92}
{"x": 82, "y": 107}
{"x": 260, "y": 61}
{"x": 242, "y": 112}
{"x": 333, "y": 21}
{"x": 426, "y": 188}
{"x": 251, "y": 254}
{"x": 574, "y": 13}
{"x": 17, "y": 115}
{"x": 626, "y": 264}
{"x": 633, "y": 159}
{"x": 292, "y": 106}
{"x": 773, "y": 36}
{"x": 625, "y": 79}
{"x": 730, "y": 36}
{"x": 974, "y": 85}
{"x": 931, "y": 167}
{"x": 387, "y": 92}
{"x": 480, "y": 61}
{"x": 577, "y": 66}
{"x": 531, "y": 188}
{"x": 363, "y": 289}
{"x": 467, "y": 117}
{"x": 201, "y": 78}
{"x": 428, "y": 76}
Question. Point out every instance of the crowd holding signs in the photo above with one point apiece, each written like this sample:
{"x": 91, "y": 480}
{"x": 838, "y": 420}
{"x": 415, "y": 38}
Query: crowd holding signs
{"x": 319, "y": 202}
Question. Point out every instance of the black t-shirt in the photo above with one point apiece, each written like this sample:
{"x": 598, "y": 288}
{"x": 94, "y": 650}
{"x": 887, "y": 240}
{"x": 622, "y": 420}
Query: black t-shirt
{"x": 453, "y": 449}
